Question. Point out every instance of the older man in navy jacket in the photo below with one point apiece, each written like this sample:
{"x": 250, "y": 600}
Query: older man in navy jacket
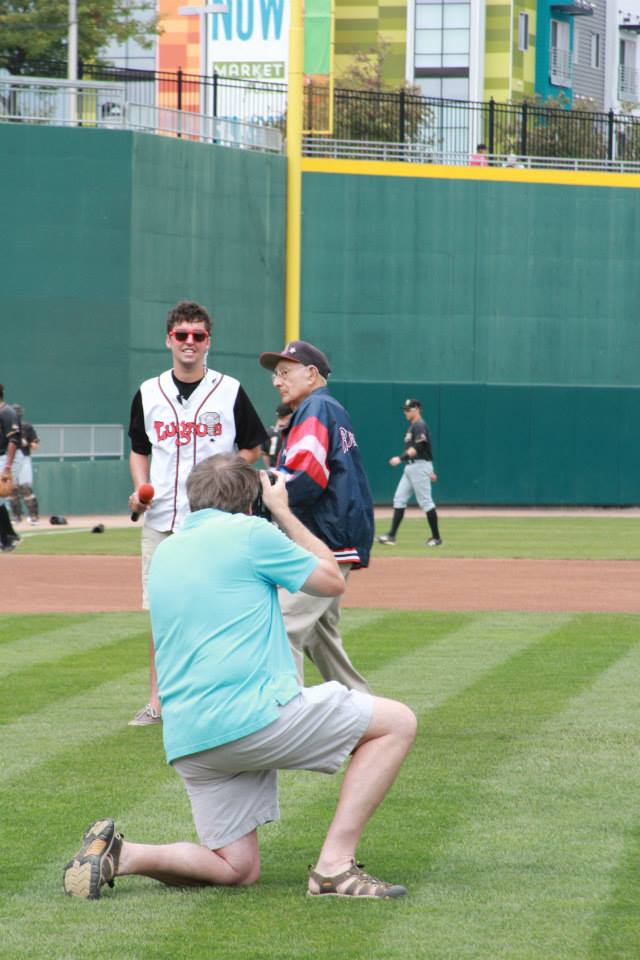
{"x": 329, "y": 493}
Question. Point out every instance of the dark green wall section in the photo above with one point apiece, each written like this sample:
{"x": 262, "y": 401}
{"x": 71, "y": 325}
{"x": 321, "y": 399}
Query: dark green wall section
{"x": 519, "y": 445}
{"x": 81, "y": 487}
{"x": 469, "y": 281}
{"x": 510, "y": 309}
{"x": 64, "y": 272}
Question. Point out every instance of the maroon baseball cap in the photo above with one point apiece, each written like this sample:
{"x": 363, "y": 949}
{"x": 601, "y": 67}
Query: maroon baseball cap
{"x": 300, "y": 352}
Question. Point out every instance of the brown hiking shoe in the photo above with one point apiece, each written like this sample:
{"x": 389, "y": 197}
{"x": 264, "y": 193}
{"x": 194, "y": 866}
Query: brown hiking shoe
{"x": 95, "y": 863}
{"x": 354, "y": 882}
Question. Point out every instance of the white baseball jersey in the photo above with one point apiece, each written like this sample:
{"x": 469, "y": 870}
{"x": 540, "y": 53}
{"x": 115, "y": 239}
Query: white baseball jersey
{"x": 182, "y": 433}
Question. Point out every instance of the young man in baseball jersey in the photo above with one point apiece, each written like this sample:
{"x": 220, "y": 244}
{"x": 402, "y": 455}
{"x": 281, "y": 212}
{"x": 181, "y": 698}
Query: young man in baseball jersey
{"x": 417, "y": 475}
{"x": 9, "y": 443}
{"x": 179, "y": 418}
{"x": 329, "y": 493}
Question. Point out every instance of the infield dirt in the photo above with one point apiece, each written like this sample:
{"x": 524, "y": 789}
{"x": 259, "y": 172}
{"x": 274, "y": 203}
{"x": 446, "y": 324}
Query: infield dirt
{"x": 45, "y": 584}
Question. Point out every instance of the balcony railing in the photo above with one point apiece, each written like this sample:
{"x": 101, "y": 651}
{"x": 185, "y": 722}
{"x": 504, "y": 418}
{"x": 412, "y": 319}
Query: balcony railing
{"x": 94, "y": 104}
{"x": 560, "y": 67}
{"x": 627, "y": 83}
{"x": 252, "y": 115}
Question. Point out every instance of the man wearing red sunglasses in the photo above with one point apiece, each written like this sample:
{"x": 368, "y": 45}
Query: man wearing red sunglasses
{"x": 179, "y": 418}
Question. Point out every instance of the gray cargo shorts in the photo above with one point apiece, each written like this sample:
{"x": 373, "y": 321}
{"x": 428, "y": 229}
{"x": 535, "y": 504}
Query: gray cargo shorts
{"x": 233, "y": 788}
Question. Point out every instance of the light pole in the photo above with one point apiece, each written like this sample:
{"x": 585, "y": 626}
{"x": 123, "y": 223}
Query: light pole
{"x": 72, "y": 57}
{"x": 295, "y": 103}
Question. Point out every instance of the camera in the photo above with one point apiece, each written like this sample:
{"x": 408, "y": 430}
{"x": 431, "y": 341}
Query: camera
{"x": 258, "y": 508}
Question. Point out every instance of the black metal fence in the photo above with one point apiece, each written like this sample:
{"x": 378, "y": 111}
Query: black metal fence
{"x": 452, "y": 127}
{"x": 229, "y": 98}
{"x": 458, "y": 126}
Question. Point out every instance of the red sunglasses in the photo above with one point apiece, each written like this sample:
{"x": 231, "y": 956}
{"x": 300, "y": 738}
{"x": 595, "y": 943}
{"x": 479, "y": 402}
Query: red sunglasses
{"x": 199, "y": 336}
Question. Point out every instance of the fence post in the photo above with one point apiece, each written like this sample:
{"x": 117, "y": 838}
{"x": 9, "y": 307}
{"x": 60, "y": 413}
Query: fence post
{"x": 523, "y": 130}
{"x": 214, "y": 105}
{"x": 179, "y": 88}
{"x": 492, "y": 122}
{"x": 401, "y": 118}
{"x": 610, "y": 136}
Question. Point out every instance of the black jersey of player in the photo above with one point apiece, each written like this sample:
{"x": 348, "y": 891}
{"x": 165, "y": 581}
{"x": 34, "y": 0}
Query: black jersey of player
{"x": 418, "y": 436}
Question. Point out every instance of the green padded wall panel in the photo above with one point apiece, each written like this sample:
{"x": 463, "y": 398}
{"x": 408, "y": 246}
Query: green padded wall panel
{"x": 494, "y": 444}
{"x": 469, "y": 281}
{"x": 81, "y": 487}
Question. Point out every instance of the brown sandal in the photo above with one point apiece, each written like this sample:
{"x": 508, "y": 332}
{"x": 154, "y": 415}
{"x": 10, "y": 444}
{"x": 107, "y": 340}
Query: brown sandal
{"x": 361, "y": 885}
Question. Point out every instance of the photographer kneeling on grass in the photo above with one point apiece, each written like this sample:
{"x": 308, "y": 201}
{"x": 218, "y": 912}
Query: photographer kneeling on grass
{"x": 233, "y": 711}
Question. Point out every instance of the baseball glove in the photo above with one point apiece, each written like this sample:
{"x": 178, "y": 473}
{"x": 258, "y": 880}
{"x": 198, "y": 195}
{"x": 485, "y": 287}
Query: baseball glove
{"x": 6, "y": 485}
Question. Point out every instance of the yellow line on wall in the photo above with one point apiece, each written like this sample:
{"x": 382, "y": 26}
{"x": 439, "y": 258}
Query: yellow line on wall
{"x": 433, "y": 171}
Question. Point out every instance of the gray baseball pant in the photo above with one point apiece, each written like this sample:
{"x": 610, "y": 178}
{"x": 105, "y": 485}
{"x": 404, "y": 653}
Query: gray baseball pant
{"x": 312, "y": 627}
{"x": 416, "y": 478}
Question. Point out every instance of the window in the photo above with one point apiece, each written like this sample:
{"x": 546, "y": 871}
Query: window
{"x": 595, "y": 50}
{"x": 523, "y": 31}
{"x": 560, "y": 58}
{"x": 442, "y": 35}
{"x": 560, "y": 35}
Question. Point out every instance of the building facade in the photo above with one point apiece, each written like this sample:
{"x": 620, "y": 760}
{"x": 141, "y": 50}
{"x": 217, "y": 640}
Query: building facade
{"x": 577, "y": 52}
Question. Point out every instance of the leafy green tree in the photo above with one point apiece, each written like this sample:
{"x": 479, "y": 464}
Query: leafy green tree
{"x": 366, "y": 105}
{"x": 555, "y": 128}
{"x": 36, "y": 30}
{"x": 369, "y": 107}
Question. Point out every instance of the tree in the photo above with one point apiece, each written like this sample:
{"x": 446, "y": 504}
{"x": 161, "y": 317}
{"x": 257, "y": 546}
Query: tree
{"x": 36, "y": 30}
{"x": 370, "y": 107}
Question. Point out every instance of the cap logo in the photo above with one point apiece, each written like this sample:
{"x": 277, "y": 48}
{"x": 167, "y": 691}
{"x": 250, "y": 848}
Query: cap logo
{"x": 289, "y": 349}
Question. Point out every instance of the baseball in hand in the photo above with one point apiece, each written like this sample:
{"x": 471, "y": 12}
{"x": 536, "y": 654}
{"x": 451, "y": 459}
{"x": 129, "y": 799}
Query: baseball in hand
{"x": 145, "y": 492}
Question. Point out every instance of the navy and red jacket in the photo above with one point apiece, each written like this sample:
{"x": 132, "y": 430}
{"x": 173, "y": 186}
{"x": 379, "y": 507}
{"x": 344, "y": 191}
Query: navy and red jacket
{"x": 328, "y": 488}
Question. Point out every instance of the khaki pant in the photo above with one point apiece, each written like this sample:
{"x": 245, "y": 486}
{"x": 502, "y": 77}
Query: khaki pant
{"x": 312, "y": 628}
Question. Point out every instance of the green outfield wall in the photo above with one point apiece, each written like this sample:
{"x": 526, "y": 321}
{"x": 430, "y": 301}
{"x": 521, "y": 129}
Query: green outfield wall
{"x": 505, "y": 300}
{"x": 103, "y": 231}
{"x": 508, "y": 307}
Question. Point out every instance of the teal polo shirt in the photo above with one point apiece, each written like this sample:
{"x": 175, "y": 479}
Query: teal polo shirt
{"x": 222, "y": 655}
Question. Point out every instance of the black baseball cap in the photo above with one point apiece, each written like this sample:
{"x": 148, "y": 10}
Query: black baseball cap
{"x": 284, "y": 410}
{"x": 411, "y": 404}
{"x": 301, "y": 352}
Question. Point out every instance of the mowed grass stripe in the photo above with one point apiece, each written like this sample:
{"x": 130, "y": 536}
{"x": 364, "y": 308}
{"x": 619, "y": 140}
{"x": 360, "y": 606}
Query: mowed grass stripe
{"x": 15, "y": 627}
{"x": 40, "y": 687}
{"x": 70, "y": 723}
{"x": 308, "y": 800}
{"x": 427, "y": 678}
{"x": 529, "y": 869}
{"x": 617, "y": 933}
{"x": 77, "y": 637}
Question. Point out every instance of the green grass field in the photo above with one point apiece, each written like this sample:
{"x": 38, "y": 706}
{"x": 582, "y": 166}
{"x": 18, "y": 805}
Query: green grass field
{"x": 514, "y": 824}
{"x": 578, "y": 538}
{"x": 582, "y": 538}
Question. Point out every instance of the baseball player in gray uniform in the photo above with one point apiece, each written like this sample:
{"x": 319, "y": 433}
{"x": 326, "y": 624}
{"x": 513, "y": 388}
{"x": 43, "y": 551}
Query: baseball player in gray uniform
{"x": 417, "y": 475}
